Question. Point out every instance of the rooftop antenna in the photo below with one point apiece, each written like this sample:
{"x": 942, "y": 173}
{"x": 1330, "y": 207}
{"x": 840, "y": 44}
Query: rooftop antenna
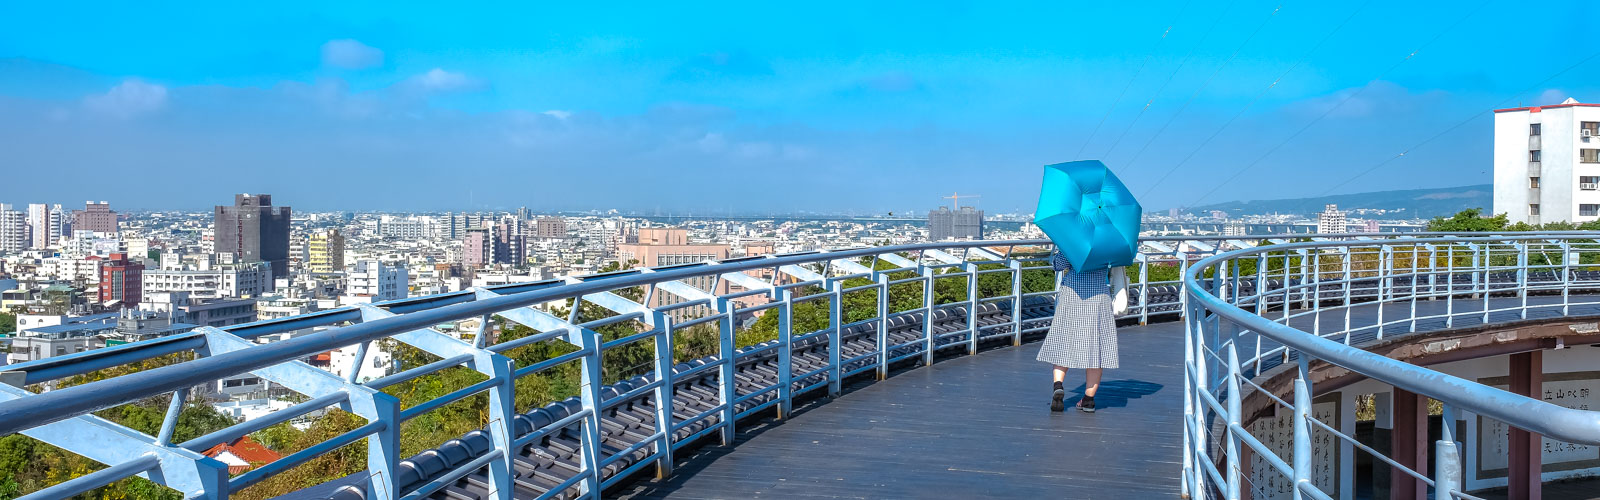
{"x": 957, "y": 196}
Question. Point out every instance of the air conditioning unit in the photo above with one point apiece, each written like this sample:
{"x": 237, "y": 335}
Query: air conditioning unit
{"x": 1587, "y": 186}
{"x": 1586, "y": 133}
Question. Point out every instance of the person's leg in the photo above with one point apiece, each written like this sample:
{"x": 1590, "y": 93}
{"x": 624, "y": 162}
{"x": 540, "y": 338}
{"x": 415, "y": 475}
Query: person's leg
{"x": 1059, "y": 397}
{"x": 1090, "y": 386}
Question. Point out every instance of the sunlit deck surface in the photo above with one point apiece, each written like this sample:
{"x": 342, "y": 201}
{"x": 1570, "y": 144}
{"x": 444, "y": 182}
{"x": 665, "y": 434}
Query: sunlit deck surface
{"x": 968, "y": 427}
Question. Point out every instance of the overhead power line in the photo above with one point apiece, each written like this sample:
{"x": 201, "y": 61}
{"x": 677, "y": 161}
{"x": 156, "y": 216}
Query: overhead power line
{"x": 1253, "y": 100}
{"x": 1170, "y": 77}
{"x": 1136, "y": 74}
{"x": 1335, "y": 107}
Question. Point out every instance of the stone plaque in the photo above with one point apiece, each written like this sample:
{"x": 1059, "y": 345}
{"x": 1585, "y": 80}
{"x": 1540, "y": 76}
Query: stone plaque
{"x": 1277, "y": 433}
{"x": 1578, "y": 390}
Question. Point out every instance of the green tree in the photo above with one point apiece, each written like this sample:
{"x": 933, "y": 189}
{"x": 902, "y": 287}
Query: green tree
{"x": 1469, "y": 220}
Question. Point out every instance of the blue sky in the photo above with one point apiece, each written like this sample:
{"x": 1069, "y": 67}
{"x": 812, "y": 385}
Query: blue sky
{"x": 760, "y": 108}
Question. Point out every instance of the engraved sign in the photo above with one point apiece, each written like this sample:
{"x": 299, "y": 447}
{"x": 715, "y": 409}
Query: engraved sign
{"x": 1578, "y": 390}
{"x": 1278, "y": 435}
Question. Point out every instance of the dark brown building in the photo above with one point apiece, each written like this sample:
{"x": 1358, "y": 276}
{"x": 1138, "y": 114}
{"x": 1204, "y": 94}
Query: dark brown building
{"x": 253, "y": 230}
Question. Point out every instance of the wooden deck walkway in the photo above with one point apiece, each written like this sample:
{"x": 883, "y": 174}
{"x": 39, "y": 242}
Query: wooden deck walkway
{"x": 971, "y": 426}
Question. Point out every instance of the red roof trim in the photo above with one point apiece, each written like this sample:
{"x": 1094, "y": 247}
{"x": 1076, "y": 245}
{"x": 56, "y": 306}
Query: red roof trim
{"x": 1535, "y": 109}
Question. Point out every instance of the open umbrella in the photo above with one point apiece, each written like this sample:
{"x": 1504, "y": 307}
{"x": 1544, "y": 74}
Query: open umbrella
{"x": 1089, "y": 214}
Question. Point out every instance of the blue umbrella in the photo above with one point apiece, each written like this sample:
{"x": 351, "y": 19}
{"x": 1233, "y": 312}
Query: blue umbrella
{"x": 1089, "y": 214}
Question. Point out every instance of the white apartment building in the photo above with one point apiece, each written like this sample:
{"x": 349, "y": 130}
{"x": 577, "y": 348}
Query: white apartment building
{"x": 1331, "y": 220}
{"x": 39, "y": 224}
{"x": 377, "y": 279}
{"x": 1547, "y": 163}
{"x": 252, "y": 279}
{"x": 13, "y": 229}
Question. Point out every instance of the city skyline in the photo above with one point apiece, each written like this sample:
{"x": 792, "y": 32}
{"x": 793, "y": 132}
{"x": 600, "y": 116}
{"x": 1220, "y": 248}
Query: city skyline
{"x": 391, "y": 112}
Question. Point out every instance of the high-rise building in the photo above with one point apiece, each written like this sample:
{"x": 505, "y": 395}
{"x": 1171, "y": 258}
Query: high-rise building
{"x": 1547, "y": 163}
{"x": 96, "y": 217}
{"x": 13, "y": 229}
{"x": 550, "y": 227}
{"x": 946, "y": 224}
{"x": 476, "y": 248}
{"x": 39, "y": 225}
{"x": 60, "y": 223}
{"x": 1372, "y": 226}
{"x": 1331, "y": 220}
{"x": 325, "y": 252}
{"x": 252, "y": 230}
{"x": 121, "y": 280}
{"x": 510, "y": 246}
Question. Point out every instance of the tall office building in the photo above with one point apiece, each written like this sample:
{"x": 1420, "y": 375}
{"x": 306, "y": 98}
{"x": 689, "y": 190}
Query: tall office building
{"x": 97, "y": 217}
{"x": 39, "y": 225}
{"x": 325, "y": 252}
{"x": 946, "y": 224}
{"x": 1331, "y": 220}
{"x": 1547, "y": 163}
{"x": 499, "y": 243}
{"x": 60, "y": 223}
{"x": 13, "y": 229}
{"x": 252, "y": 230}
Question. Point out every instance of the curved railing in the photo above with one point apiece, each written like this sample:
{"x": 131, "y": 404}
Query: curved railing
{"x": 597, "y": 444}
{"x": 1257, "y": 312}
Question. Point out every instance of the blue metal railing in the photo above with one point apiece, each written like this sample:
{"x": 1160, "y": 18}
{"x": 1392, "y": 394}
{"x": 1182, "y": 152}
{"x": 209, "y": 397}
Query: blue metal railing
{"x": 1325, "y": 282}
{"x": 62, "y": 417}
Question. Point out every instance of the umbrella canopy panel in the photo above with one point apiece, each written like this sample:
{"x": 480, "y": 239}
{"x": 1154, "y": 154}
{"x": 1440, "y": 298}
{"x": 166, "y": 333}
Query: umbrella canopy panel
{"x": 1089, "y": 214}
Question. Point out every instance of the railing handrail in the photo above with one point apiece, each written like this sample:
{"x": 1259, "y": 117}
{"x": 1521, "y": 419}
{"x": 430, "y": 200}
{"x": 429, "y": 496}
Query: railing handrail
{"x": 73, "y": 401}
{"x": 1565, "y": 424}
{"x": 62, "y": 404}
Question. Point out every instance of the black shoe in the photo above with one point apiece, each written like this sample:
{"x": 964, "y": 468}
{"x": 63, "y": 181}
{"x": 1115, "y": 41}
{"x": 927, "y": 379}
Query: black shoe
{"x": 1086, "y": 404}
{"x": 1058, "y": 402}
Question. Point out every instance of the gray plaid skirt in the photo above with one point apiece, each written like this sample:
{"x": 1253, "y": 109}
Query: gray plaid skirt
{"x": 1083, "y": 333}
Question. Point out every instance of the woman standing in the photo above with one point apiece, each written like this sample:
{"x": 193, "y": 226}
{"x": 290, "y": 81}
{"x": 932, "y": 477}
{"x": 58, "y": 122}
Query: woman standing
{"x": 1083, "y": 334}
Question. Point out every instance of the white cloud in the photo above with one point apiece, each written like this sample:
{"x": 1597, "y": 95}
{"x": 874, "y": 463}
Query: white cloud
{"x": 439, "y": 80}
{"x": 1552, "y": 96}
{"x": 559, "y": 114}
{"x": 129, "y": 98}
{"x": 350, "y": 54}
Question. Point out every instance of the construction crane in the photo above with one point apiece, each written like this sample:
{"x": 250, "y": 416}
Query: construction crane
{"x": 958, "y": 197}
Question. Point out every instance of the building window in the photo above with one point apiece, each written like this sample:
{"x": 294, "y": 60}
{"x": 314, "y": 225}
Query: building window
{"x": 1592, "y": 129}
{"x": 1588, "y": 210}
{"x": 1533, "y": 209}
{"x": 1533, "y": 155}
{"x": 1589, "y": 155}
{"x": 1533, "y": 129}
{"x": 1589, "y": 182}
{"x": 1533, "y": 182}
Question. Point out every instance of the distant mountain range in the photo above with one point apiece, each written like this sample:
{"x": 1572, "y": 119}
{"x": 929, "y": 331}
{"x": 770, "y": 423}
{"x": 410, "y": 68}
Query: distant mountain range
{"x": 1402, "y": 204}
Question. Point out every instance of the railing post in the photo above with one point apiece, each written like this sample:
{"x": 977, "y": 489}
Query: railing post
{"x": 590, "y": 398}
{"x": 1302, "y": 428}
{"x": 883, "y": 324}
{"x": 728, "y": 386}
{"x": 835, "y": 326}
{"x": 972, "y": 307}
{"x": 1144, "y": 291}
{"x": 785, "y": 352}
{"x": 1234, "y": 424}
{"x": 1447, "y": 459}
{"x": 1450, "y": 285}
{"x": 1189, "y": 470}
{"x": 1522, "y": 277}
{"x": 664, "y": 361}
{"x": 1016, "y": 300}
{"x": 927, "y": 313}
{"x": 1566, "y": 276}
